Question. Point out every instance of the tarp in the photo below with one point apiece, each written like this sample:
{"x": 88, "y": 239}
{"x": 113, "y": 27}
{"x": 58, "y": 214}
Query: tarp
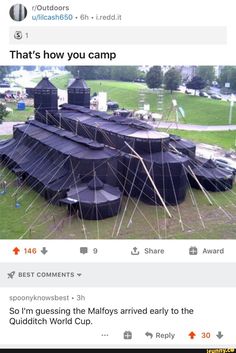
{"x": 166, "y": 169}
{"x": 184, "y": 146}
{"x": 211, "y": 177}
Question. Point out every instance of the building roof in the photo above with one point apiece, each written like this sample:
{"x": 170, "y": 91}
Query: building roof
{"x": 95, "y": 184}
{"x": 79, "y": 83}
{"x": 65, "y": 142}
{"x": 45, "y": 84}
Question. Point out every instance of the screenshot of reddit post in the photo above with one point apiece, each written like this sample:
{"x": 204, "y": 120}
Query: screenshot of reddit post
{"x": 117, "y": 175}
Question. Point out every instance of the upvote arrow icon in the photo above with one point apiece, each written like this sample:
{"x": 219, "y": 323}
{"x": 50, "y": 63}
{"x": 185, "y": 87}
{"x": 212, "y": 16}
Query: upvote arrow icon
{"x": 16, "y": 250}
{"x": 192, "y": 335}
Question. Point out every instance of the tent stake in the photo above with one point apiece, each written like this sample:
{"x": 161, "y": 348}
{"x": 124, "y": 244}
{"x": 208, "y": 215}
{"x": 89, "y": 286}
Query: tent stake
{"x": 150, "y": 178}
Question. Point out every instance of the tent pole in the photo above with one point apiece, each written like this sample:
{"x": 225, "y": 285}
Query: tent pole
{"x": 77, "y": 122}
{"x": 150, "y": 178}
{"x": 200, "y": 185}
{"x": 175, "y": 150}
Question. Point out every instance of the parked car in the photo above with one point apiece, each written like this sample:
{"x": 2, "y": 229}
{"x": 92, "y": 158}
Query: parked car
{"x": 226, "y": 164}
{"x": 203, "y": 94}
{"x": 112, "y": 105}
{"x": 216, "y": 96}
{"x": 187, "y": 91}
{"x": 232, "y": 99}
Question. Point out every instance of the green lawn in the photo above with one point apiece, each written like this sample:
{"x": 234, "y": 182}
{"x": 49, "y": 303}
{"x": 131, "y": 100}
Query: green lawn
{"x": 5, "y": 137}
{"x": 60, "y": 82}
{"x": 18, "y": 115}
{"x": 198, "y": 110}
{"x": 224, "y": 139}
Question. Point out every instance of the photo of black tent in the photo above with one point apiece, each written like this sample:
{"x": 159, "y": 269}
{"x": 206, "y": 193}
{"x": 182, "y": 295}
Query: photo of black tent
{"x": 88, "y": 160}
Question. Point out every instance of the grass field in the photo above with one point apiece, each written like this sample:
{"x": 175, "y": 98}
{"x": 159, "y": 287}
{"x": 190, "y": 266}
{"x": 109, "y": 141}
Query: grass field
{"x": 224, "y": 139}
{"x": 18, "y": 115}
{"x": 37, "y": 219}
{"x": 5, "y": 137}
{"x": 198, "y": 110}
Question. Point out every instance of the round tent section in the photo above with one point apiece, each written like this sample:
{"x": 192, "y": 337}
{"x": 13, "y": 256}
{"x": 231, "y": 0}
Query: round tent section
{"x": 94, "y": 200}
{"x": 184, "y": 146}
{"x": 211, "y": 177}
{"x": 148, "y": 141}
{"x": 167, "y": 170}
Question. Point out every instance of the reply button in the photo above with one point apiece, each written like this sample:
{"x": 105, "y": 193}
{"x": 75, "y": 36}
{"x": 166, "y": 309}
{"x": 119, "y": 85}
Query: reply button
{"x": 165, "y": 335}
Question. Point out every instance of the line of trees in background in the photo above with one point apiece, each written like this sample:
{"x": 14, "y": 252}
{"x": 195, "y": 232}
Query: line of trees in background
{"x": 5, "y": 70}
{"x": 171, "y": 79}
{"x": 154, "y": 78}
{"x": 228, "y": 75}
{"x": 204, "y": 76}
{"x": 118, "y": 73}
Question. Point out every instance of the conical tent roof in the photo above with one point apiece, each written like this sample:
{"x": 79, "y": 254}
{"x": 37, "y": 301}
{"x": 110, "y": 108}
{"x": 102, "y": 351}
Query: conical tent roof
{"x": 79, "y": 83}
{"x": 209, "y": 164}
{"x": 85, "y": 195}
{"x": 95, "y": 184}
{"x": 45, "y": 84}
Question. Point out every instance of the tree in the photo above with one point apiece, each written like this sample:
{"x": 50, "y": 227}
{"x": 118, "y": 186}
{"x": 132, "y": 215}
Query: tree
{"x": 118, "y": 73}
{"x": 3, "y": 112}
{"x": 172, "y": 79}
{"x": 124, "y": 73}
{"x": 4, "y": 70}
{"x": 29, "y": 67}
{"x": 154, "y": 77}
{"x": 207, "y": 73}
{"x": 228, "y": 74}
{"x": 196, "y": 83}
{"x": 85, "y": 72}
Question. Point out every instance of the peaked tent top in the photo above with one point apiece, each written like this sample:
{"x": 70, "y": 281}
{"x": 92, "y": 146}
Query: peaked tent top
{"x": 95, "y": 184}
{"x": 79, "y": 83}
{"x": 45, "y": 84}
{"x": 209, "y": 164}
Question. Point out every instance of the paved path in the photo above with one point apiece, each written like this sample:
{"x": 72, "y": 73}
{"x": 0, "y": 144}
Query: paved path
{"x": 7, "y": 127}
{"x": 190, "y": 127}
